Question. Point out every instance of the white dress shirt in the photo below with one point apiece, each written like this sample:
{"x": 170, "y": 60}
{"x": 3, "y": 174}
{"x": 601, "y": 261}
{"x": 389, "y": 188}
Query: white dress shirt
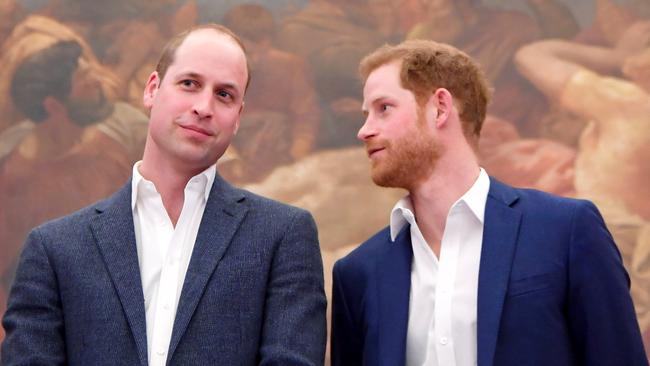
{"x": 164, "y": 252}
{"x": 443, "y": 297}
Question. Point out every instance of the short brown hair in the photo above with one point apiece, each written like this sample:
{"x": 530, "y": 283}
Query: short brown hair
{"x": 428, "y": 65}
{"x": 169, "y": 51}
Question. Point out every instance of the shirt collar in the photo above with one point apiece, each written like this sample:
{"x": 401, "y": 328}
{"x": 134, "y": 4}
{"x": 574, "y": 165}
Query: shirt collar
{"x": 202, "y": 181}
{"x": 402, "y": 208}
{"x": 475, "y": 198}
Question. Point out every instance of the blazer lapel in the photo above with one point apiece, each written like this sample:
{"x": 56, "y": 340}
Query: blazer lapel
{"x": 499, "y": 240}
{"x": 115, "y": 236}
{"x": 394, "y": 284}
{"x": 223, "y": 215}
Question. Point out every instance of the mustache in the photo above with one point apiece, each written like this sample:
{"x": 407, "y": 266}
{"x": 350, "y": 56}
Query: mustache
{"x": 373, "y": 146}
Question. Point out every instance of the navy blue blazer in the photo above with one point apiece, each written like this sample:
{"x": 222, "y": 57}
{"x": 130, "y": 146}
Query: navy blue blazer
{"x": 552, "y": 290}
{"x": 253, "y": 293}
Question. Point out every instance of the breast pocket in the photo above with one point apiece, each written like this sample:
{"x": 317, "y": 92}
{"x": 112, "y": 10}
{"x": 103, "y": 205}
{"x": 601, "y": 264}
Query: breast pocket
{"x": 531, "y": 284}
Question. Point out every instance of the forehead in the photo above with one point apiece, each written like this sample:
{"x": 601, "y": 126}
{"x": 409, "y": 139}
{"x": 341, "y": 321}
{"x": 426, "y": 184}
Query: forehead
{"x": 384, "y": 76}
{"x": 384, "y": 82}
{"x": 85, "y": 68}
{"x": 211, "y": 54}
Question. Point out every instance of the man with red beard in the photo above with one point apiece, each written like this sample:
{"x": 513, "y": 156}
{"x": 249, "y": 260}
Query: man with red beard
{"x": 470, "y": 271}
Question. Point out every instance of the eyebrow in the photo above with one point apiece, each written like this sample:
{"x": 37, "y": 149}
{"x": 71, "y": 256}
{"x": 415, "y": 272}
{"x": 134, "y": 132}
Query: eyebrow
{"x": 378, "y": 99}
{"x": 227, "y": 85}
{"x": 189, "y": 74}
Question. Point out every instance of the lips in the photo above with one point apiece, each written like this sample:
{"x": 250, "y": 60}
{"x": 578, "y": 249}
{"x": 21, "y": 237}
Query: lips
{"x": 373, "y": 150}
{"x": 197, "y": 129}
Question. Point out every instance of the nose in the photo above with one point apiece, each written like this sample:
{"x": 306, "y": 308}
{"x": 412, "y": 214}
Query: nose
{"x": 202, "y": 106}
{"x": 367, "y": 130}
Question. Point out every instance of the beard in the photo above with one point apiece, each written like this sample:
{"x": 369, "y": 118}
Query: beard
{"x": 85, "y": 111}
{"x": 407, "y": 161}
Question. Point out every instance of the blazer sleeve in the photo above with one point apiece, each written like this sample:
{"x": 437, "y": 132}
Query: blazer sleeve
{"x": 600, "y": 311}
{"x": 346, "y": 345}
{"x": 33, "y": 322}
{"x": 295, "y": 327}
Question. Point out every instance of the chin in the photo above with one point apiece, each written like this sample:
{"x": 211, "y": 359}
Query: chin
{"x": 195, "y": 159}
{"x": 386, "y": 180}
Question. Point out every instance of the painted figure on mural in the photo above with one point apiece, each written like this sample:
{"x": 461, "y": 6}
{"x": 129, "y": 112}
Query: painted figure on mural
{"x": 283, "y": 115}
{"x": 614, "y": 146}
{"x": 486, "y": 34}
{"x": 32, "y": 34}
{"x": 67, "y": 143}
{"x": 332, "y": 36}
{"x": 65, "y": 161}
{"x": 126, "y": 35}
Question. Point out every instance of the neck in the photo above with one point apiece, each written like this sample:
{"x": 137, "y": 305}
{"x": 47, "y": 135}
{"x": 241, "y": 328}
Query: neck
{"x": 454, "y": 174}
{"x": 170, "y": 181}
{"x": 51, "y": 138}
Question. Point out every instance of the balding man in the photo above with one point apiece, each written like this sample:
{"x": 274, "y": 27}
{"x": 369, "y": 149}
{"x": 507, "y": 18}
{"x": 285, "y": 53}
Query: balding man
{"x": 178, "y": 267}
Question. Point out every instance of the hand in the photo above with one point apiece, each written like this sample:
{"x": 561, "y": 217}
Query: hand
{"x": 634, "y": 39}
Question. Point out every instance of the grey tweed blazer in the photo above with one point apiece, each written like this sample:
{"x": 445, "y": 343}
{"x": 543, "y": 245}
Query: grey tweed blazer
{"x": 253, "y": 293}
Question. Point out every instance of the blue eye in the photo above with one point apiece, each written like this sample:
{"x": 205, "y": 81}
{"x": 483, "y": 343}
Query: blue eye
{"x": 188, "y": 83}
{"x": 224, "y": 94}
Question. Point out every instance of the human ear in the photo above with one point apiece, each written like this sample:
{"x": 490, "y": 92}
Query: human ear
{"x": 443, "y": 102}
{"x": 150, "y": 90}
{"x": 241, "y": 109}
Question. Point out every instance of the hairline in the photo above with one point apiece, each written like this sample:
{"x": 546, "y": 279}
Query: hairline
{"x": 171, "y": 48}
{"x": 398, "y": 54}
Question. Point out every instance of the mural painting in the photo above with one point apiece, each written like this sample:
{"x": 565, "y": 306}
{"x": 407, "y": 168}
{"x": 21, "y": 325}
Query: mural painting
{"x": 570, "y": 112}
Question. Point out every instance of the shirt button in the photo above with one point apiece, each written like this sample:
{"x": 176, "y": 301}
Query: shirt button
{"x": 444, "y": 341}
{"x": 160, "y": 351}
{"x": 166, "y": 307}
